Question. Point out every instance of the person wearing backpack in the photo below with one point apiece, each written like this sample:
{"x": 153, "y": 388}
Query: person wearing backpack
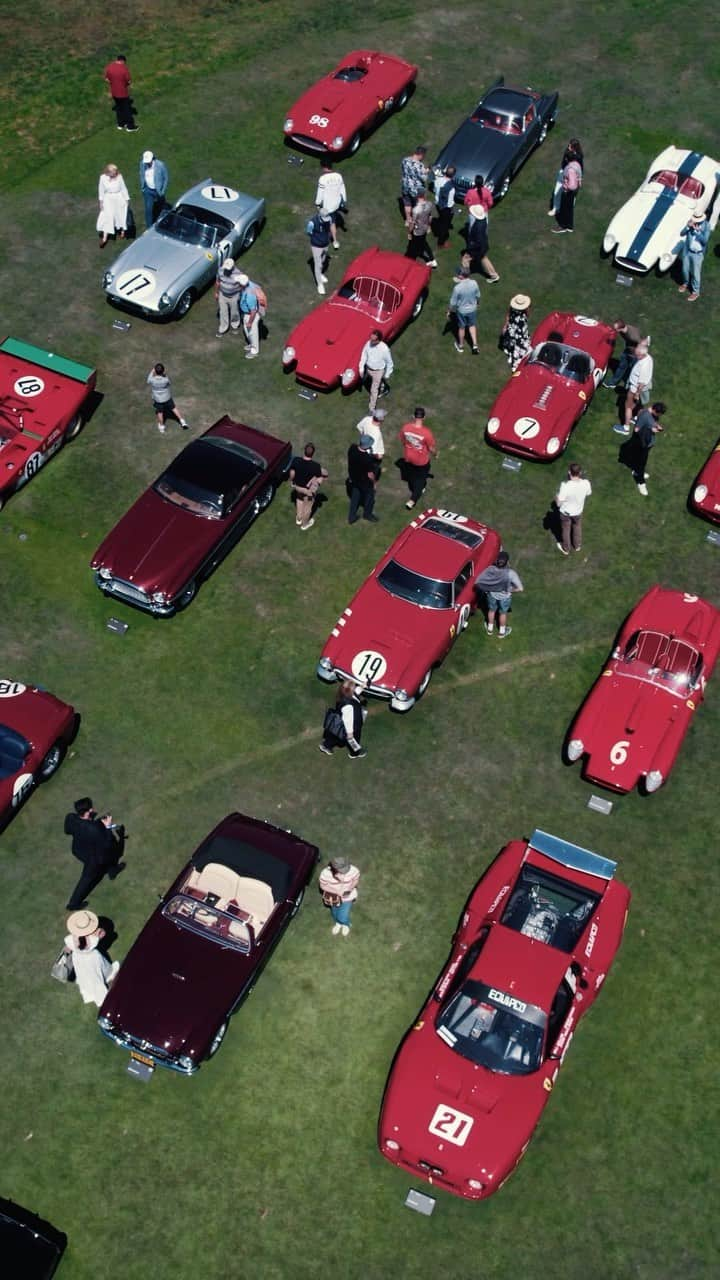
{"x": 343, "y": 723}
{"x": 318, "y": 229}
{"x": 571, "y": 183}
{"x": 250, "y": 315}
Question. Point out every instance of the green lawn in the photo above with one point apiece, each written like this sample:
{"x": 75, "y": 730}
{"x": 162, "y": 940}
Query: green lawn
{"x": 266, "y": 1162}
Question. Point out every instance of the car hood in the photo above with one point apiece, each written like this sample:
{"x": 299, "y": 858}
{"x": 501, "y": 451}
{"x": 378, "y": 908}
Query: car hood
{"x": 648, "y": 226}
{"x": 627, "y": 721}
{"x": 343, "y": 106}
{"x": 534, "y": 406}
{"x": 329, "y": 340}
{"x": 156, "y": 544}
{"x": 405, "y": 635}
{"x": 710, "y": 477}
{"x": 151, "y": 266}
{"x": 475, "y": 149}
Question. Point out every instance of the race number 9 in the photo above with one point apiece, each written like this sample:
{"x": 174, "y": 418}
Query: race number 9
{"x": 322, "y": 122}
{"x": 454, "y": 1126}
{"x": 619, "y": 753}
{"x": 368, "y": 665}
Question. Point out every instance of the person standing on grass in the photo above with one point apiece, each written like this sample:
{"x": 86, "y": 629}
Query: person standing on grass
{"x": 476, "y": 232}
{"x": 646, "y": 428}
{"x": 371, "y": 425}
{"x": 479, "y": 194}
{"x": 153, "y": 185}
{"x": 571, "y": 182}
{"x": 250, "y": 314}
{"x": 318, "y": 229}
{"x": 376, "y": 363}
{"x": 330, "y": 196}
{"x": 306, "y": 476}
{"x": 573, "y": 151}
{"x": 419, "y": 447}
{"x": 633, "y": 338}
{"x": 421, "y": 217}
{"x": 97, "y": 844}
{"x": 94, "y": 973}
{"x": 444, "y": 203}
{"x": 414, "y": 177}
{"x": 162, "y": 399}
{"x": 498, "y": 583}
{"x": 228, "y": 287}
{"x": 362, "y": 478}
{"x": 515, "y": 333}
{"x": 463, "y": 306}
{"x": 695, "y": 235}
{"x": 113, "y": 201}
{"x": 343, "y": 723}
{"x": 117, "y": 74}
{"x": 639, "y": 386}
{"x": 570, "y": 500}
{"x": 338, "y": 885}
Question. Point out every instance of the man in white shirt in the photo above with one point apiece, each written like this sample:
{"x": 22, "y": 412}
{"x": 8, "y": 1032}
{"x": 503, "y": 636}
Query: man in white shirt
{"x": 377, "y": 362}
{"x": 570, "y": 499}
{"x": 639, "y": 386}
{"x": 330, "y": 196}
{"x": 371, "y": 425}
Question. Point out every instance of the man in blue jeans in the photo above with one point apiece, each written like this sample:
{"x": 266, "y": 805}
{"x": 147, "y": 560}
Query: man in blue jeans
{"x": 153, "y": 185}
{"x": 338, "y": 885}
{"x": 695, "y": 235}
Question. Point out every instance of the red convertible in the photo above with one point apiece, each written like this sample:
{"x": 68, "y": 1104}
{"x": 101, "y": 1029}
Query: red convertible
{"x": 632, "y": 725}
{"x": 705, "y": 495}
{"x": 552, "y": 387}
{"x": 409, "y": 612}
{"x": 204, "y": 946}
{"x": 471, "y": 1080}
{"x": 187, "y": 521}
{"x": 41, "y": 406}
{"x": 36, "y": 729}
{"x": 334, "y": 115}
{"x": 380, "y": 290}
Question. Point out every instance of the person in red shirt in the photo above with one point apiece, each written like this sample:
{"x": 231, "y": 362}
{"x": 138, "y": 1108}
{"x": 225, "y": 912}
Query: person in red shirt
{"x": 479, "y": 194}
{"x": 419, "y": 446}
{"x": 117, "y": 75}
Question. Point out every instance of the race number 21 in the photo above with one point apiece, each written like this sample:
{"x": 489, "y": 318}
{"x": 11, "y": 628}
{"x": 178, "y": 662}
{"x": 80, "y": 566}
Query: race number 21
{"x": 454, "y": 1126}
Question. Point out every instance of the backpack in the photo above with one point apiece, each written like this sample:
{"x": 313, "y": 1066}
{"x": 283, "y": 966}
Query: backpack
{"x": 334, "y": 724}
{"x": 261, "y": 296}
{"x": 309, "y": 226}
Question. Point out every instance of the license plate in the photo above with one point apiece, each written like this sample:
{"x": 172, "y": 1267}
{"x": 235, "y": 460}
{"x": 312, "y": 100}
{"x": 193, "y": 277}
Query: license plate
{"x": 140, "y": 1057}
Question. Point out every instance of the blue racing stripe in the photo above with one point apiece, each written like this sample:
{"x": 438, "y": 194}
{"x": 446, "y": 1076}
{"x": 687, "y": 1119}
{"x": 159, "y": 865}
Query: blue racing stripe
{"x": 663, "y": 204}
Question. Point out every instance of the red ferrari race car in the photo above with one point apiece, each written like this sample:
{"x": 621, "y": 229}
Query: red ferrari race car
{"x": 631, "y": 727}
{"x": 552, "y": 387}
{"x": 334, "y": 115}
{"x": 408, "y": 613}
{"x": 705, "y": 494}
{"x": 41, "y": 406}
{"x": 471, "y": 1079}
{"x": 380, "y": 290}
{"x": 35, "y": 731}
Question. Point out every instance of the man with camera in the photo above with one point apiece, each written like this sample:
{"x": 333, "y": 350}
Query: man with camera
{"x": 98, "y": 844}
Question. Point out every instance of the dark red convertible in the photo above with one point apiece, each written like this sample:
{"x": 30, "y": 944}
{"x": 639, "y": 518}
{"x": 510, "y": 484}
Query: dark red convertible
{"x": 204, "y": 946}
{"x": 187, "y": 521}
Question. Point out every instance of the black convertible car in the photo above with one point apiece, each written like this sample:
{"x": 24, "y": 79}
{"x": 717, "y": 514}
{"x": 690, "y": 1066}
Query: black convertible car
{"x": 498, "y": 136}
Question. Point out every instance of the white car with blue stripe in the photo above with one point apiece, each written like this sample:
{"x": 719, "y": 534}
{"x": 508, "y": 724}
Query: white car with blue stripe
{"x": 646, "y": 231}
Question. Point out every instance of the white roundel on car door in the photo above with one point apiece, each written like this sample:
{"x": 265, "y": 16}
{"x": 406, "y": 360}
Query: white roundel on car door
{"x": 11, "y": 688}
{"x": 527, "y": 428}
{"x": 21, "y": 786}
{"x": 29, "y": 385}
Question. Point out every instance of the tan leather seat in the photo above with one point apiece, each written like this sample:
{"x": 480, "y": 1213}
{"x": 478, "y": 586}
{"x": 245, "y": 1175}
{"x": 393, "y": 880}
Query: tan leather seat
{"x": 216, "y": 879}
{"x": 255, "y": 897}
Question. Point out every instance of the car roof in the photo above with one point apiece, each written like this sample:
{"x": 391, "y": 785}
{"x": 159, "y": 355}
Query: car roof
{"x": 513, "y": 101}
{"x": 431, "y": 552}
{"x": 520, "y": 966}
{"x": 227, "y": 201}
{"x": 211, "y": 467}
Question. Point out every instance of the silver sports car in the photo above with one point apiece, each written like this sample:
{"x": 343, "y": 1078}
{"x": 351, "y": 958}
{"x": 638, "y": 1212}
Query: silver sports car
{"x": 166, "y": 269}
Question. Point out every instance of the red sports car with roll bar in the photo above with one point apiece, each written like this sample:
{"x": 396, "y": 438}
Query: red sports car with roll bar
{"x": 333, "y": 116}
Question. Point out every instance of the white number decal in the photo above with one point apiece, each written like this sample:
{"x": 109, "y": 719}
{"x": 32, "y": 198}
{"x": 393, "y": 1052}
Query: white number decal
{"x": 219, "y": 193}
{"x": 29, "y": 385}
{"x": 464, "y": 618}
{"x": 587, "y": 320}
{"x": 11, "y": 688}
{"x": 619, "y": 753}
{"x": 33, "y": 464}
{"x": 136, "y": 284}
{"x": 368, "y": 665}
{"x": 21, "y": 788}
{"x": 688, "y": 599}
{"x": 454, "y": 1126}
{"x": 527, "y": 428}
{"x": 452, "y": 515}
{"x": 322, "y": 122}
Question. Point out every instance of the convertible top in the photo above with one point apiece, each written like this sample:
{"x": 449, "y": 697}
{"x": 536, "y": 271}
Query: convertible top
{"x": 247, "y": 860}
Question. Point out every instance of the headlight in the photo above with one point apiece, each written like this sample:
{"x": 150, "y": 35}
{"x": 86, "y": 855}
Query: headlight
{"x": 552, "y": 445}
{"x": 326, "y": 664}
{"x": 575, "y": 748}
{"x": 165, "y": 301}
{"x": 391, "y": 1144}
{"x": 105, "y": 1022}
{"x": 700, "y": 493}
{"x": 493, "y": 426}
{"x": 288, "y": 354}
{"x": 105, "y": 574}
{"x": 653, "y": 780}
{"x": 666, "y": 260}
{"x": 159, "y": 597}
{"x": 288, "y": 125}
{"x": 108, "y": 279}
{"x": 401, "y": 695}
{"x": 609, "y": 242}
{"x": 349, "y": 375}
{"x": 474, "y": 1185}
{"x": 337, "y": 142}
{"x": 185, "y": 1062}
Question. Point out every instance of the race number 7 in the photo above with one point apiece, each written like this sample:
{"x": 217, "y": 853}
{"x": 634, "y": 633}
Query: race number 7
{"x": 454, "y": 1126}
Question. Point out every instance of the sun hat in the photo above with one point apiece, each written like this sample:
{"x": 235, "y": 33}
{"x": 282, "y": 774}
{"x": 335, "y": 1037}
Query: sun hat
{"x": 366, "y": 442}
{"x": 228, "y": 264}
{"x": 340, "y": 863}
{"x": 148, "y": 156}
{"x": 520, "y": 302}
{"x": 478, "y": 210}
{"x": 82, "y": 923}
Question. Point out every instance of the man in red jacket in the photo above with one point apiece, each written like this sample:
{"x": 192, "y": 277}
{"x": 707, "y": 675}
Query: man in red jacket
{"x": 419, "y": 446}
{"x": 117, "y": 75}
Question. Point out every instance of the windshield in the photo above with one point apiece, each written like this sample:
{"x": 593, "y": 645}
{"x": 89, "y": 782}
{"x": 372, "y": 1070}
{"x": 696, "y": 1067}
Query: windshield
{"x": 375, "y": 297}
{"x": 209, "y": 921}
{"x": 429, "y": 592}
{"x": 350, "y": 74}
{"x": 187, "y": 230}
{"x": 672, "y": 661}
{"x": 189, "y": 496}
{"x": 549, "y": 909}
{"x": 493, "y": 1029}
{"x": 566, "y": 361}
{"x": 499, "y": 120}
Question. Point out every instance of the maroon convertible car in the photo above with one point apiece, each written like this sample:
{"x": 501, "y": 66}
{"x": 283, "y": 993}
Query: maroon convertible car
{"x": 203, "y": 947}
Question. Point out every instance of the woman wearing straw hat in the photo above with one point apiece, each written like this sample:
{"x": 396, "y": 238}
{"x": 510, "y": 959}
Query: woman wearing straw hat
{"x": 93, "y": 971}
{"x": 515, "y": 335}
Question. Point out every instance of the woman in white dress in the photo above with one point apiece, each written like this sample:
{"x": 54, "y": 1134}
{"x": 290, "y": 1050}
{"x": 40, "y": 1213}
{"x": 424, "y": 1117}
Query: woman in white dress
{"x": 93, "y": 971}
{"x": 113, "y": 199}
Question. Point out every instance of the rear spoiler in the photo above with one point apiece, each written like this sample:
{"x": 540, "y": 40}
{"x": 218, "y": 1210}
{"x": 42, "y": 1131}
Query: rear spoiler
{"x": 572, "y": 855}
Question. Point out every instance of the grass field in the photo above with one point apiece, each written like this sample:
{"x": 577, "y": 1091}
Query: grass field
{"x": 266, "y": 1162}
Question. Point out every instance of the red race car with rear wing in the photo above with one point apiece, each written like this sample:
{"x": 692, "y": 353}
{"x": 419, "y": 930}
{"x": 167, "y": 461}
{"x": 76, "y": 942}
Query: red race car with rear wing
{"x": 552, "y": 386}
{"x": 36, "y": 729}
{"x": 41, "y": 406}
{"x": 380, "y": 290}
{"x": 631, "y": 727}
{"x": 409, "y": 612}
{"x": 471, "y": 1079}
{"x": 705, "y": 495}
{"x": 333, "y": 115}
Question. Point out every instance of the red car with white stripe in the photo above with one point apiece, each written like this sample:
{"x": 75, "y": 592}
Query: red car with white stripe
{"x": 36, "y": 729}
{"x": 552, "y": 386}
{"x": 632, "y": 725}
{"x": 409, "y": 612}
{"x": 471, "y": 1079}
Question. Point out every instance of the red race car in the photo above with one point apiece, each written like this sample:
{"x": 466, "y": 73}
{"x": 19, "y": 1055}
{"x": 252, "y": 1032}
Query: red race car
{"x": 41, "y": 406}
{"x": 631, "y": 726}
{"x": 471, "y": 1079}
{"x": 380, "y": 290}
{"x": 552, "y": 387}
{"x": 408, "y": 613}
{"x": 335, "y": 113}
{"x": 35, "y": 731}
{"x": 705, "y": 495}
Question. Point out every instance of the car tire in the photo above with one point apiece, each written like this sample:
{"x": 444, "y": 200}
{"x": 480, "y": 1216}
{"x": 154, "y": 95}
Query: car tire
{"x": 420, "y": 303}
{"x": 74, "y": 427}
{"x": 354, "y": 144}
{"x": 186, "y": 596}
{"x": 422, "y": 687}
{"x": 218, "y": 1039}
{"x": 297, "y": 904}
{"x": 249, "y": 238}
{"x": 50, "y": 762}
{"x": 264, "y": 498}
{"x": 184, "y": 304}
{"x": 402, "y": 99}
{"x": 503, "y": 188}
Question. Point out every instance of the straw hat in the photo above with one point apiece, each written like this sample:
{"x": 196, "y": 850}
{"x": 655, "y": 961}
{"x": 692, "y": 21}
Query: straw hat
{"x": 478, "y": 210}
{"x": 82, "y": 923}
{"x": 520, "y": 302}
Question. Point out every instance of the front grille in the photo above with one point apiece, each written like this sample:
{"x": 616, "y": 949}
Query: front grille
{"x": 117, "y": 587}
{"x": 376, "y": 690}
{"x": 431, "y": 1168}
{"x": 629, "y": 265}
{"x": 303, "y": 141}
{"x": 144, "y": 1046}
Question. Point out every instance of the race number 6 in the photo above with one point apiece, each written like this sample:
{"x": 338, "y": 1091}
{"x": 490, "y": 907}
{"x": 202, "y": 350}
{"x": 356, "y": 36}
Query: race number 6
{"x": 619, "y": 753}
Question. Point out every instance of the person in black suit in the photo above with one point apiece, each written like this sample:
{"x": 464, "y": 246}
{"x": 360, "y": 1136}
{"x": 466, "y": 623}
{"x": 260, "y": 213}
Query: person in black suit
{"x": 98, "y": 844}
